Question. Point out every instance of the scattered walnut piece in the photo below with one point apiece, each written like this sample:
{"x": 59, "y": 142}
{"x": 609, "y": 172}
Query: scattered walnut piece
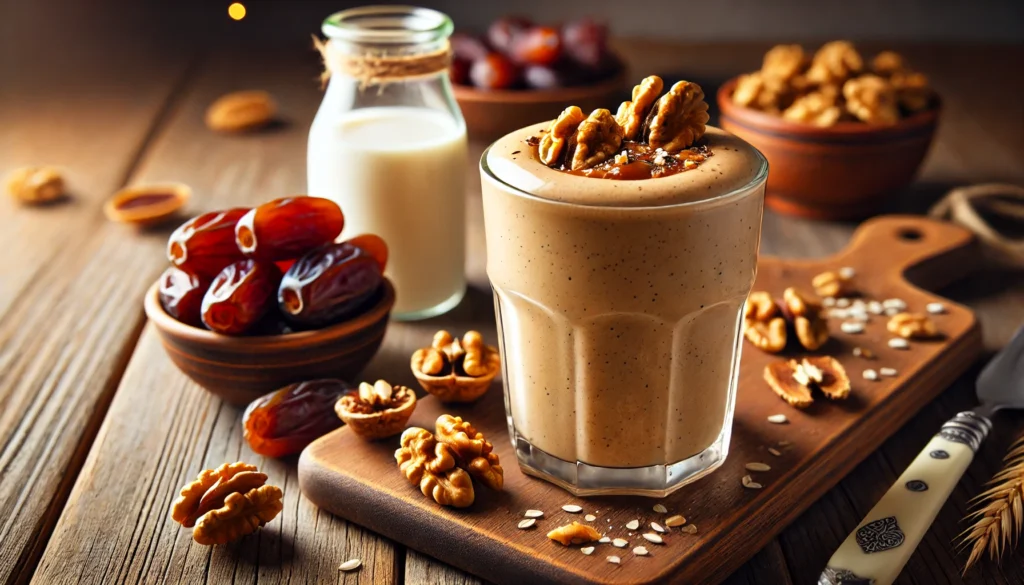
{"x": 598, "y": 138}
{"x": 753, "y": 90}
{"x": 808, "y": 322}
{"x": 574, "y": 533}
{"x": 763, "y": 325}
{"x": 456, "y": 370}
{"x": 632, "y": 114}
{"x": 794, "y": 380}
{"x": 780, "y": 378}
{"x": 871, "y": 99}
{"x": 912, "y": 326}
{"x": 472, "y": 452}
{"x": 226, "y": 503}
{"x": 912, "y": 90}
{"x": 430, "y": 465}
{"x": 783, "y": 62}
{"x": 34, "y": 185}
{"x": 835, "y": 62}
{"x": 553, "y": 143}
{"x": 679, "y": 118}
{"x": 240, "y": 111}
{"x": 831, "y": 283}
{"x": 888, "y": 63}
{"x": 376, "y": 411}
{"x": 817, "y": 107}
{"x": 828, "y": 375}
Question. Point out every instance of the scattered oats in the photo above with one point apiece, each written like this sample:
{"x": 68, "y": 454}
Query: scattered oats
{"x": 892, "y": 311}
{"x": 864, "y": 353}
{"x": 838, "y": 313}
{"x": 350, "y": 565}
{"x": 528, "y": 523}
{"x": 533, "y": 514}
{"x": 657, "y": 527}
{"x": 660, "y": 509}
{"x": 875, "y": 307}
{"x": 828, "y": 302}
{"x": 779, "y": 419}
{"x": 870, "y": 375}
{"x": 632, "y": 524}
{"x": 590, "y": 517}
{"x": 620, "y": 543}
{"x": 862, "y": 317}
{"x": 614, "y": 559}
{"x": 676, "y": 520}
{"x": 652, "y": 537}
{"x": 604, "y": 540}
{"x": 843, "y": 303}
{"x": 758, "y": 466}
{"x": 572, "y": 508}
{"x": 847, "y": 272}
{"x": 887, "y": 371}
{"x": 774, "y": 451}
{"x": 640, "y": 551}
{"x": 851, "y": 327}
{"x": 935, "y": 308}
{"x": 587, "y": 550}
{"x": 689, "y": 529}
{"x": 898, "y": 304}
{"x": 608, "y": 520}
{"x": 785, "y": 443}
{"x": 899, "y": 343}
{"x": 749, "y": 483}
{"x": 858, "y": 305}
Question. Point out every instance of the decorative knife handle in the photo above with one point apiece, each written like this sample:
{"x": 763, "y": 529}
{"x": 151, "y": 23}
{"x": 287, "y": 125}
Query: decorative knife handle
{"x": 881, "y": 545}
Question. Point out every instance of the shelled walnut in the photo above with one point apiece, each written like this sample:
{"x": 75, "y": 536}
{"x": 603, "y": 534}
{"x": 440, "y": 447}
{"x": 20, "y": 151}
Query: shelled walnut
{"x": 227, "y": 503}
{"x": 430, "y": 465}
{"x": 34, "y": 185}
{"x": 817, "y": 107}
{"x": 763, "y": 323}
{"x": 835, "y": 62}
{"x": 783, "y": 62}
{"x": 376, "y": 411}
{"x": 574, "y": 533}
{"x": 832, "y": 283}
{"x": 912, "y": 326}
{"x": 809, "y": 324}
{"x": 456, "y": 370}
{"x": 554, "y": 143}
{"x": 679, "y": 118}
{"x": 632, "y": 114}
{"x": 794, "y": 380}
{"x": 473, "y": 453}
{"x": 871, "y": 99}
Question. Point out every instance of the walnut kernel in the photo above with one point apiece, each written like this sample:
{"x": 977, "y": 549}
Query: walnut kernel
{"x": 817, "y": 107}
{"x": 574, "y": 533}
{"x": 35, "y": 184}
{"x": 783, "y": 62}
{"x": 632, "y": 114}
{"x": 240, "y": 111}
{"x": 794, "y": 380}
{"x": 472, "y": 452}
{"x": 430, "y": 465}
{"x": 762, "y": 324}
{"x": 679, "y": 118}
{"x": 810, "y": 326}
{"x": 831, "y": 284}
{"x": 241, "y": 514}
{"x": 888, "y": 63}
{"x": 226, "y": 503}
{"x": 376, "y": 411}
{"x": 598, "y": 138}
{"x": 780, "y": 376}
{"x": 912, "y": 90}
{"x": 553, "y": 143}
{"x": 871, "y": 99}
{"x": 912, "y": 326}
{"x": 835, "y": 62}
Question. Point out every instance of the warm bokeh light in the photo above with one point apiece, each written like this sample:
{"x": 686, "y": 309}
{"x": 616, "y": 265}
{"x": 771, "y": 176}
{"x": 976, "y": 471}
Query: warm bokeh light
{"x": 236, "y": 11}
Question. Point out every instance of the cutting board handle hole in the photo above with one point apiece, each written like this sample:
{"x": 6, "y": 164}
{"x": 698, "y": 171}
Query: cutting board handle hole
{"x": 909, "y": 234}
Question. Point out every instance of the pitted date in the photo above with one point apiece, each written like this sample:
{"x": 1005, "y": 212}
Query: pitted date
{"x": 240, "y": 296}
{"x": 373, "y": 245}
{"x": 285, "y": 421}
{"x": 205, "y": 244}
{"x": 181, "y": 295}
{"x": 284, "y": 229}
{"x": 329, "y": 285}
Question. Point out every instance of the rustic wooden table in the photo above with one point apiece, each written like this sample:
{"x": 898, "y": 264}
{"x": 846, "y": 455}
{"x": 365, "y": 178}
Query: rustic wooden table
{"x": 98, "y": 430}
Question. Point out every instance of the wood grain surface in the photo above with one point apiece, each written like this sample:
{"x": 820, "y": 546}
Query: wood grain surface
{"x": 71, "y": 288}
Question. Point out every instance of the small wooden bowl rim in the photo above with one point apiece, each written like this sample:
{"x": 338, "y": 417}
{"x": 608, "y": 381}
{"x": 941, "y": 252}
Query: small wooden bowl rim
{"x": 292, "y": 341}
{"x": 182, "y": 193}
{"x": 762, "y": 121}
{"x": 537, "y": 96}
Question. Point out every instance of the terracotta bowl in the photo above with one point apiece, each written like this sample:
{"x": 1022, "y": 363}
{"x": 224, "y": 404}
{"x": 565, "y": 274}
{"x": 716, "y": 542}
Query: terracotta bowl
{"x": 845, "y": 171}
{"x": 491, "y": 114}
{"x": 241, "y": 369}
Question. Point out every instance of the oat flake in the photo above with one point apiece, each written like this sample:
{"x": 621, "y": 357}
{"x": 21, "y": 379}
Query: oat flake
{"x": 652, "y": 537}
{"x": 640, "y": 551}
{"x": 590, "y": 517}
{"x": 620, "y": 543}
{"x": 350, "y": 565}
{"x": 779, "y": 419}
{"x": 632, "y": 524}
{"x": 660, "y": 509}
{"x": 528, "y": 523}
{"x": 572, "y": 508}
{"x": 614, "y": 560}
{"x": 676, "y": 520}
{"x": 587, "y": 550}
{"x": 757, "y": 466}
{"x": 533, "y": 514}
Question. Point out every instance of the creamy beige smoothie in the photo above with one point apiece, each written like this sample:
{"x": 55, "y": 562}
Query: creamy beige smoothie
{"x": 619, "y": 305}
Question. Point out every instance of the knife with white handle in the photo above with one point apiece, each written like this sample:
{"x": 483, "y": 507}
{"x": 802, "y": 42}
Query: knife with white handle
{"x": 877, "y": 550}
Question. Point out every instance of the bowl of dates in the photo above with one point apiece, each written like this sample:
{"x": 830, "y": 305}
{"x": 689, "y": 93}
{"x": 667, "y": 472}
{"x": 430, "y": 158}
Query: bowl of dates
{"x": 519, "y": 72}
{"x": 256, "y": 299}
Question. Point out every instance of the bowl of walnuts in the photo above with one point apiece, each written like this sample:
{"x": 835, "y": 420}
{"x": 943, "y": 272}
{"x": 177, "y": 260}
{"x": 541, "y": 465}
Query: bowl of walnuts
{"x": 521, "y": 72}
{"x": 841, "y": 133}
{"x": 256, "y": 299}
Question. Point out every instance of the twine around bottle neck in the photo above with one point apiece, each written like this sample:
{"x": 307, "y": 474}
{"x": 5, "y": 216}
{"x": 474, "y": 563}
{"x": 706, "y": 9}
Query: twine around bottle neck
{"x": 376, "y": 67}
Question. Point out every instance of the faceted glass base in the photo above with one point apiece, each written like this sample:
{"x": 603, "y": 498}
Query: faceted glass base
{"x": 655, "y": 481}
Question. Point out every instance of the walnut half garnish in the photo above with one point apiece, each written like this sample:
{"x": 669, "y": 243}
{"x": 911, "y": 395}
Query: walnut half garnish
{"x": 679, "y": 118}
{"x": 554, "y": 143}
{"x": 598, "y": 138}
{"x": 794, "y": 380}
{"x": 631, "y": 114}
{"x": 456, "y": 370}
{"x": 227, "y": 503}
{"x": 574, "y": 533}
{"x": 376, "y": 411}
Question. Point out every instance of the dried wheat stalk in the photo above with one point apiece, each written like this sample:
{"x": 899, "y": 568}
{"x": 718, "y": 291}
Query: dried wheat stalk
{"x": 999, "y": 511}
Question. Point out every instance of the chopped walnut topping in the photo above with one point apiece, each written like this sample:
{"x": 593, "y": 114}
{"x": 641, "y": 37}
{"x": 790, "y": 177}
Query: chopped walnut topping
{"x": 632, "y": 114}
{"x": 574, "y": 533}
{"x": 831, "y": 283}
{"x": 912, "y": 326}
{"x": 553, "y": 144}
{"x": 783, "y": 62}
{"x": 871, "y": 99}
{"x": 763, "y": 325}
{"x": 598, "y": 138}
{"x": 473, "y": 453}
{"x": 808, "y": 322}
{"x": 679, "y": 118}
{"x": 430, "y": 465}
{"x": 376, "y": 411}
{"x": 835, "y": 62}
{"x": 456, "y": 370}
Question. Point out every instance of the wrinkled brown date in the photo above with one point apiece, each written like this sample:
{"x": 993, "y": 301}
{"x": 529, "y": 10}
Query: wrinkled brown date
{"x": 240, "y": 295}
{"x": 329, "y": 285}
{"x": 181, "y": 295}
{"x": 205, "y": 244}
{"x": 285, "y": 421}
{"x": 373, "y": 245}
{"x": 284, "y": 229}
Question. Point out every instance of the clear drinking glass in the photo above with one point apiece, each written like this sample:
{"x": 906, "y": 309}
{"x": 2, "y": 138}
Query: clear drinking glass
{"x": 388, "y": 144}
{"x": 619, "y": 326}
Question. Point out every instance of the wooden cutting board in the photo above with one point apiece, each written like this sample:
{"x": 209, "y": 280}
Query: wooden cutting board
{"x": 360, "y": 482}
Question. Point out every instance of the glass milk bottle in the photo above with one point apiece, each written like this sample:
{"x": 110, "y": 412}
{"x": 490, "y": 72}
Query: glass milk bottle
{"x": 388, "y": 144}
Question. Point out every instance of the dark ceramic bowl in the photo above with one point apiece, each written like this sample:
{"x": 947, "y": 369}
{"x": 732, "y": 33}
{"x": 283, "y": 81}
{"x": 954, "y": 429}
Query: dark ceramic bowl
{"x": 241, "y": 369}
{"x": 490, "y": 114}
{"x": 845, "y": 171}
